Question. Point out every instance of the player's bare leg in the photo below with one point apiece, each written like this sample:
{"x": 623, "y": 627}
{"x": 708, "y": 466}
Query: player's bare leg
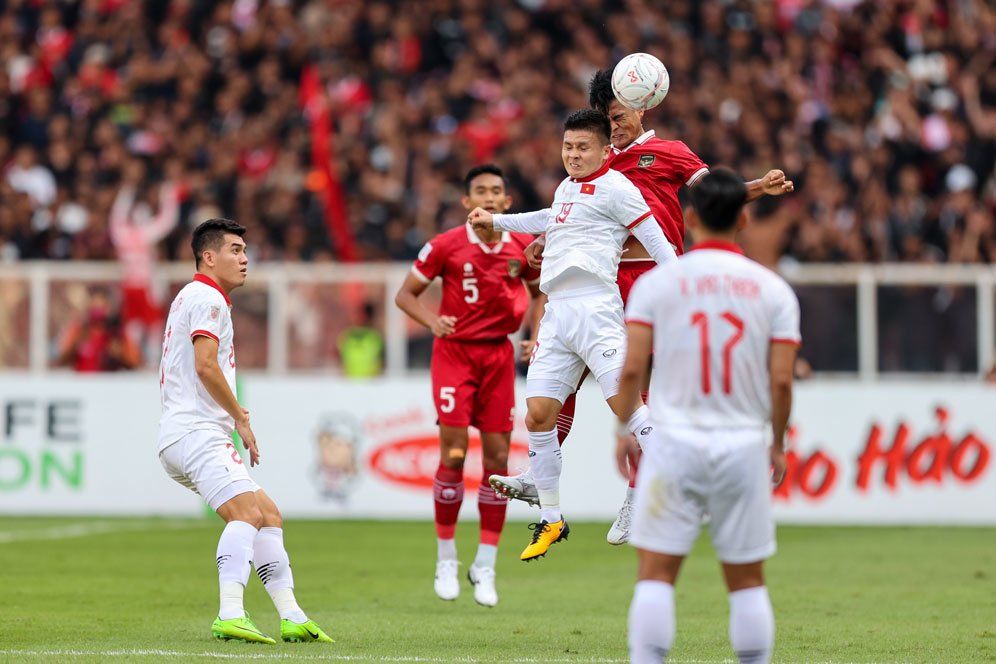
{"x": 545, "y": 462}
{"x": 492, "y": 509}
{"x": 243, "y": 518}
{"x": 651, "y": 613}
{"x": 274, "y": 570}
{"x": 752, "y": 620}
{"x": 447, "y": 494}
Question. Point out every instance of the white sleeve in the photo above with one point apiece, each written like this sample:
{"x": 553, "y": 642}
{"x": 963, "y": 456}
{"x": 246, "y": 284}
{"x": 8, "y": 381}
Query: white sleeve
{"x": 523, "y": 222}
{"x": 650, "y": 235}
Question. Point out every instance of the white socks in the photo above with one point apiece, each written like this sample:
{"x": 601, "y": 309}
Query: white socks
{"x": 752, "y": 625}
{"x": 545, "y": 462}
{"x": 487, "y": 555}
{"x": 639, "y": 425}
{"x": 234, "y": 557}
{"x": 651, "y": 622}
{"x": 273, "y": 568}
{"x": 446, "y": 549}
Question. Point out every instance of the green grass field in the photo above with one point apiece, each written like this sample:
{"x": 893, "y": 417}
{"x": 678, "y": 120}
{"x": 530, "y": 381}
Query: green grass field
{"x": 108, "y": 590}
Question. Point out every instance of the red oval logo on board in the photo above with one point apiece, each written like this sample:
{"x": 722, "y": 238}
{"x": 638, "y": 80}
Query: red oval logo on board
{"x": 412, "y": 462}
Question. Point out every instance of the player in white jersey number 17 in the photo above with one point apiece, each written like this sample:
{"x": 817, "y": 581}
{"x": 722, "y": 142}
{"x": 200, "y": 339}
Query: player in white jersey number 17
{"x": 724, "y": 332}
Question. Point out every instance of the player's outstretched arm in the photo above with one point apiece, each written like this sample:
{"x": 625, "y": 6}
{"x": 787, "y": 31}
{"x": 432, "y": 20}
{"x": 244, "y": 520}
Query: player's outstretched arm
{"x": 408, "y": 301}
{"x": 781, "y": 365}
{"x": 211, "y": 376}
{"x": 774, "y": 183}
{"x": 650, "y": 235}
{"x": 522, "y": 222}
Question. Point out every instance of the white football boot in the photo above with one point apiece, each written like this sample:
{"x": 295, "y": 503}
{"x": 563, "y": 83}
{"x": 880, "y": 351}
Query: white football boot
{"x": 483, "y": 580}
{"x": 520, "y": 487}
{"x": 619, "y": 532}
{"x": 447, "y": 585}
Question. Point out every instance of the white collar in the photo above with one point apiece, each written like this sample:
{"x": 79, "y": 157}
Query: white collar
{"x": 473, "y": 239}
{"x": 643, "y": 138}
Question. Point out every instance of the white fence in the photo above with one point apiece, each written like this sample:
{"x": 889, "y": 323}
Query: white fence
{"x": 936, "y": 318}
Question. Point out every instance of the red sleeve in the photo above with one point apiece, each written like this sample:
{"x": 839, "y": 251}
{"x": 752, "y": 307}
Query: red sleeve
{"x": 686, "y": 164}
{"x": 431, "y": 259}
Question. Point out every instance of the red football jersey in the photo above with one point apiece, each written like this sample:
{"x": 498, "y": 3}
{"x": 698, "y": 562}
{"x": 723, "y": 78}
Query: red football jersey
{"x": 660, "y": 169}
{"x": 482, "y": 286}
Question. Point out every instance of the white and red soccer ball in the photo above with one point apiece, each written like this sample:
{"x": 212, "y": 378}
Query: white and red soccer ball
{"x": 640, "y": 81}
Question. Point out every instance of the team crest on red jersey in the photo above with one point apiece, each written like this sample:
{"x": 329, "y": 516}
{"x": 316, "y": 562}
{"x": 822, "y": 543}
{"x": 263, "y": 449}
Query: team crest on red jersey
{"x": 646, "y": 160}
{"x": 514, "y": 267}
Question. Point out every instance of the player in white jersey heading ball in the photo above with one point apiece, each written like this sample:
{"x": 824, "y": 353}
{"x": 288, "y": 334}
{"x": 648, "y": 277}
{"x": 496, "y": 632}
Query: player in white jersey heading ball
{"x": 199, "y": 413}
{"x": 594, "y": 210}
{"x": 724, "y": 332}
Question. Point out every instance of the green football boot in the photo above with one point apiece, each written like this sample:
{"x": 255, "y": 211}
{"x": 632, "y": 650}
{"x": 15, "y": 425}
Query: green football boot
{"x": 240, "y": 629}
{"x": 306, "y": 631}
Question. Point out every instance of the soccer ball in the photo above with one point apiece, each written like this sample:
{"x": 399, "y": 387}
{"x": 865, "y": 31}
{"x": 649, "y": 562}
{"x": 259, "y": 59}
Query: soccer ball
{"x": 640, "y": 81}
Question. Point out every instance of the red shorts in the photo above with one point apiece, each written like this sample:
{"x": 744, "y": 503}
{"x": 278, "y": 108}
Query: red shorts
{"x": 137, "y": 304}
{"x": 473, "y": 384}
{"x": 629, "y": 272}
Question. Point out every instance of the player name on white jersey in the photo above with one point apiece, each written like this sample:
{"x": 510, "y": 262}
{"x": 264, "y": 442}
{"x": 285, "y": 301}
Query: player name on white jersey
{"x": 714, "y": 315}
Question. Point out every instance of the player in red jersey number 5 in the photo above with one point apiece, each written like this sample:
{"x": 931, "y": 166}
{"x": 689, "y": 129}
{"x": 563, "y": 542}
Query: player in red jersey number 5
{"x": 485, "y": 282}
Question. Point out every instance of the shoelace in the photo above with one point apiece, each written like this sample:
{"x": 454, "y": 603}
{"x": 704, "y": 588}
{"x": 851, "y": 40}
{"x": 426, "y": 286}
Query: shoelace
{"x": 538, "y": 529}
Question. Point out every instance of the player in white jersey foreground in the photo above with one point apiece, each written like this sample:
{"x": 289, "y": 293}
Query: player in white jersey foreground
{"x": 594, "y": 210}
{"x": 199, "y": 413}
{"x": 724, "y": 332}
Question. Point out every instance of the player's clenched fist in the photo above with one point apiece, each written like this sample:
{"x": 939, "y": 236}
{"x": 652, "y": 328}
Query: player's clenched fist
{"x": 480, "y": 219}
{"x": 775, "y": 183}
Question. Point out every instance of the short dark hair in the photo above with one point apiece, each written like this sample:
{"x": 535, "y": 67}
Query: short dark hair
{"x": 718, "y": 198}
{"x": 588, "y": 119}
{"x": 600, "y": 94}
{"x": 476, "y": 171}
{"x": 210, "y": 234}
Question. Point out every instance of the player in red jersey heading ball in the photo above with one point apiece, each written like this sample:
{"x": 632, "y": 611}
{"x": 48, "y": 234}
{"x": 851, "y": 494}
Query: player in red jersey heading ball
{"x": 485, "y": 282}
{"x": 659, "y": 168}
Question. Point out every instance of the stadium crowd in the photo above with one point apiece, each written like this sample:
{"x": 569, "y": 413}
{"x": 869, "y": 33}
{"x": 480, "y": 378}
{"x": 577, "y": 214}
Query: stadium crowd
{"x": 339, "y": 129}
{"x": 884, "y": 113}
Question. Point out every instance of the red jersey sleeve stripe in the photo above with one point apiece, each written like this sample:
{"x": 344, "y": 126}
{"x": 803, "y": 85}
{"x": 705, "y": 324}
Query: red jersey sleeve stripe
{"x": 637, "y": 321}
{"x": 203, "y": 333}
{"x": 639, "y": 221}
{"x": 791, "y": 342}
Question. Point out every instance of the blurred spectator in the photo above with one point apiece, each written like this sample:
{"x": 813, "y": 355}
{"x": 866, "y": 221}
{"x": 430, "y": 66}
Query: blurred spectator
{"x": 136, "y": 228}
{"x": 361, "y": 346}
{"x": 96, "y": 341}
{"x": 874, "y": 108}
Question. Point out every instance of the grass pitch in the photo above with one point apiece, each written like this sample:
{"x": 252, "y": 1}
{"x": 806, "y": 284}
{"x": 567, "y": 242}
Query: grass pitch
{"x": 130, "y": 590}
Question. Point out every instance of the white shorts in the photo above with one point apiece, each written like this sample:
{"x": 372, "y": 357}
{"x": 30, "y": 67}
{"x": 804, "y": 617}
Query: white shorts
{"x": 687, "y": 473}
{"x": 208, "y": 463}
{"x": 587, "y": 330}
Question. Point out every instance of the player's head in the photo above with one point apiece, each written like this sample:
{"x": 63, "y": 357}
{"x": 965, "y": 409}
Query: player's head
{"x": 627, "y": 124}
{"x": 586, "y": 142}
{"x": 220, "y": 252}
{"x": 484, "y": 187}
{"x": 718, "y": 198}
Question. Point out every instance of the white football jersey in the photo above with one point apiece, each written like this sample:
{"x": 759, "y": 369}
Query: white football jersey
{"x": 714, "y": 313}
{"x": 201, "y": 308}
{"x": 587, "y": 226}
